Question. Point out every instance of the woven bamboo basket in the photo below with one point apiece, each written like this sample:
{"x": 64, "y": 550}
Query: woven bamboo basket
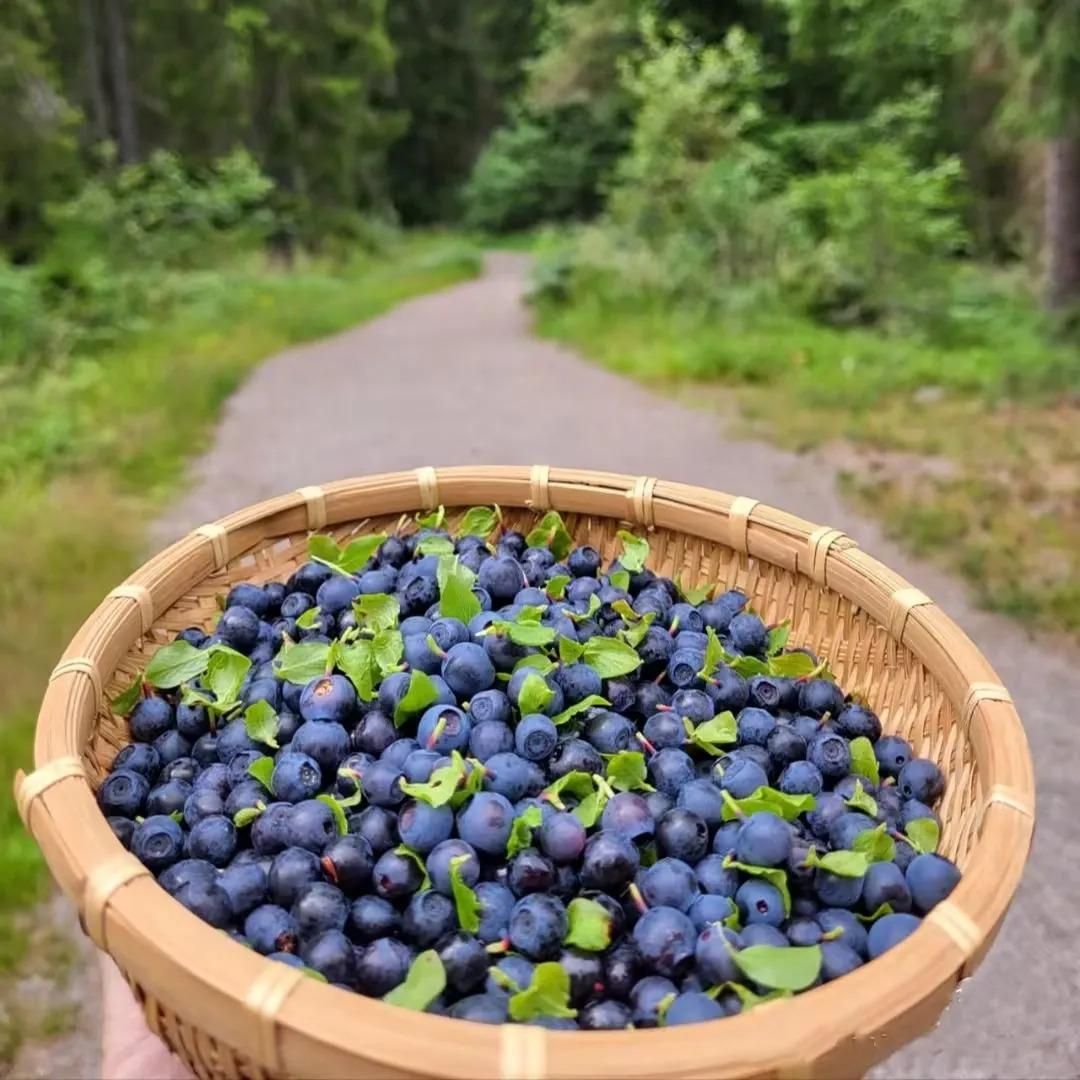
{"x": 228, "y": 1012}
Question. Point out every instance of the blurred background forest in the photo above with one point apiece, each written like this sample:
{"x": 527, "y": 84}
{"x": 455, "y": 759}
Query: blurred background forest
{"x": 859, "y": 220}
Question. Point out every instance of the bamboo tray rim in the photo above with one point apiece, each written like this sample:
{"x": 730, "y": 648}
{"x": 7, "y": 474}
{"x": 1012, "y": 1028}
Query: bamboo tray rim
{"x": 285, "y": 1028}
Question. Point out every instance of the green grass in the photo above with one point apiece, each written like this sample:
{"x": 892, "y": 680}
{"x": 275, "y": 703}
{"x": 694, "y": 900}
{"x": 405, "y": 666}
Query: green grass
{"x": 997, "y": 402}
{"x": 91, "y": 448}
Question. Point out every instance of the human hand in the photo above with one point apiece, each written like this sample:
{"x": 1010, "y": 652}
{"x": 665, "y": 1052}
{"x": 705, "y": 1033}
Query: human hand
{"x": 129, "y": 1049}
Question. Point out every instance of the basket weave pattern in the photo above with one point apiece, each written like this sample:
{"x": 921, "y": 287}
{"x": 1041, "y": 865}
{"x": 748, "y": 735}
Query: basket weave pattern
{"x": 229, "y": 1013}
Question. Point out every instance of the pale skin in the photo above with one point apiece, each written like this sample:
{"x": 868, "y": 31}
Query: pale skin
{"x": 129, "y": 1049}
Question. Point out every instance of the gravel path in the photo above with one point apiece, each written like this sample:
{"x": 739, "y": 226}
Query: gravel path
{"x": 456, "y": 378}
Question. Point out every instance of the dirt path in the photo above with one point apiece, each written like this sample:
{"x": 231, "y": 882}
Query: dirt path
{"x": 455, "y": 378}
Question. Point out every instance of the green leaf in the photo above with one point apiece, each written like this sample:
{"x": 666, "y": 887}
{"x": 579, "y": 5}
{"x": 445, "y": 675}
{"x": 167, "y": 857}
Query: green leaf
{"x": 248, "y": 814}
{"x": 626, "y": 771}
{"x": 420, "y": 694}
{"x": 547, "y": 995}
{"x": 662, "y": 1007}
{"x": 377, "y": 611}
{"x": 792, "y": 665}
{"x": 776, "y": 877}
{"x": 261, "y": 724}
{"x": 408, "y": 853}
{"x": 307, "y": 619}
{"x": 177, "y": 816}
{"x": 862, "y": 801}
{"x": 590, "y": 808}
{"x": 610, "y": 658}
{"x": 480, "y": 521}
{"x": 357, "y": 553}
{"x": 425, "y": 981}
{"x": 176, "y": 663}
{"x": 262, "y": 769}
{"x": 721, "y": 730}
{"x": 635, "y": 550}
{"x": 767, "y": 799}
{"x": 436, "y": 545}
{"x": 589, "y": 925}
{"x": 522, "y": 631}
{"x": 324, "y": 549}
{"x": 543, "y": 665}
{"x": 876, "y": 844}
{"x": 301, "y": 663}
{"x": 570, "y": 652}
{"x": 358, "y": 662}
{"x": 388, "y": 648}
{"x": 127, "y": 699}
{"x": 579, "y": 784}
{"x": 620, "y": 579}
{"x": 556, "y": 586}
{"x": 225, "y": 675}
{"x": 732, "y": 921}
{"x": 863, "y": 760}
{"x": 456, "y": 598}
{"x": 521, "y": 832}
{"x": 550, "y": 532}
{"x": 433, "y": 520}
{"x": 336, "y": 810}
{"x": 789, "y": 967}
{"x": 503, "y": 981}
{"x": 444, "y": 782}
{"x": 924, "y": 834}
{"x": 747, "y": 998}
{"x": 847, "y": 864}
{"x": 311, "y": 973}
{"x": 694, "y": 595}
{"x": 748, "y": 666}
{"x": 534, "y": 696}
{"x": 778, "y": 638}
{"x": 474, "y": 781}
{"x": 715, "y": 654}
{"x": 880, "y": 911}
{"x": 465, "y": 900}
{"x": 634, "y": 635}
{"x": 590, "y": 702}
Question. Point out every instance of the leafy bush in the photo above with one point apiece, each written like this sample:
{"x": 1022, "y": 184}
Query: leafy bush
{"x": 24, "y": 322}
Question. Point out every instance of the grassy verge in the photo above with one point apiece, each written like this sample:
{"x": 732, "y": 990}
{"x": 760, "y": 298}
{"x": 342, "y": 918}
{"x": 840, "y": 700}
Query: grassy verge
{"x": 93, "y": 447}
{"x": 967, "y": 451}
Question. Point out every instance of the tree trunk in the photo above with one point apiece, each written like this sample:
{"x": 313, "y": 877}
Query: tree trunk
{"x": 1061, "y": 223}
{"x": 127, "y": 138}
{"x": 95, "y": 90}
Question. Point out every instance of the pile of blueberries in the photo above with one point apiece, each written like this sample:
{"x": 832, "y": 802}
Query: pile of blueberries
{"x": 483, "y": 777}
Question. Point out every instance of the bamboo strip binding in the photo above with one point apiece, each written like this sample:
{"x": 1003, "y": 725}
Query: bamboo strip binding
{"x": 228, "y": 1012}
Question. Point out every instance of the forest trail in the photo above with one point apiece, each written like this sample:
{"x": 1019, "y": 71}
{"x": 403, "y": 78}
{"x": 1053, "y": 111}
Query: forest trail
{"x": 456, "y": 377}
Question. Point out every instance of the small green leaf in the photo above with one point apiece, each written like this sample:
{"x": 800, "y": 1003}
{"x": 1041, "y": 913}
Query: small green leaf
{"x": 225, "y": 675}
{"x": 550, "y": 532}
{"x": 748, "y": 666}
{"x": 590, "y": 808}
{"x": 307, "y": 619}
{"x": 432, "y": 520}
{"x": 768, "y": 799}
{"x": 635, "y": 634}
{"x": 176, "y": 663}
{"x": 747, "y": 998}
{"x": 776, "y": 877}
{"x": 420, "y": 694}
{"x": 503, "y": 981}
{"x": 620, "y": 580}
{"x": 377, "y": 611}
{"x": 862, "y": 801}
{"x": 324, "y": 549}
{"x": 721, "y": 730}
{"x": 357, "y": 553}
{"x": 863, "y": 760}
{"x": 570, "y": 652}
{"x": 456, "y": 598}
{"x": 177, "y": 816}
{"x": 876, "y": 844}
{"x": 556, "y": 586}
{"x": 662, "y": 1007}
{"x": 626, "y": 771}
{"x": 127, "y": 699}
{"x": 792, "y": 665}
{"x": 408, "y": 853}
{"x": 262, "y": 769}
{"x": 248, "y": 814}
{"x": 715, "y": 654}
{"x": 480, "y": 521}
{"x": 591, "y": 702}
{"x": 388, "y": 648}
{"x": 847, "y": 864}
{"x": 694, "y": 595}
{"x": 261, "y": 724}
{"x": 778, "y": 638}
{"x": 579, "y": 784}
{"x": 425, "y": 981}
{"x": 358, "y": 662}
{"x": 474, "y": 781}
{"x": 880, "y": 911}
{"x": 436, "y": 545}
{"x": 589, "y": 925}
{"x": 610, "y": 658}
{"x": 634, "y": 552}
{"x": 523, "y": 631}
{"x": 444, "y": 782}
{"x": 789, "y": 967}
{"x": 301, "y": 663}
{"x": 541, "y": 664}
{"x": 924, "y": 834}
{"x": 732, "y": 921}
{"x": 311, "y": 973}
{"x": 534, "y": 696}
{"x": 336, "y": 810}
{"x": 521, "y": 832}
{"x": 547, "y": 995}
{"x": 465, "y": 900}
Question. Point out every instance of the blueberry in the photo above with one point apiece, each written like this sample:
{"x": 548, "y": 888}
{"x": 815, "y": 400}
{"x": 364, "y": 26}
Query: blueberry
{"x": 537, "y": 926}
{"x": 420, "y": 764}
{"x": 609, "y": 862}
{"x": 610, "y": 733}
{"x": 562, "y": 836}
{"x": 485, "y": 822}
{"x": 669, "y": 770}
{"x": 372, "y": 917}
{"x": 192, "y": 721}
{"x": 311, "y": 825}
{"x": 508, "y": 775}
{"x": 856, "y": 721}
{"x": 759, "y": 902}
{"x": 835, "y": 890}
{"x": 578, "y": 681}
{"x": 308, "y": 577}
{"x": 170, "y": 797}
{"x": 714, "y": 877}
{"x": 666, "y": 940}
{"x": 530, "y": 872}
{"x": 245, "y": 886}
{"x": 892, "y": 754}
{"x": 381, "y": 966}
{"x": 213, "y": 839}
{"x": 180, "y": 873}
{"x": 846, "y": 828}
{"x": 884, "y": 884}
{"x": 709, "y": 908}
{"x": 397, "y": 753}
{"x": 574, "y": 755}
{"x": 755, "y": 726}
{"x": 296, "y": 777}
{"x": 496, "y": 905}
{"x": 683, "y": 667}
{"x": 852, "y": 932}
{"x": 669, "y": 883}
{"x": 747, "y": 633}
{"x": 444, "y": 728}
{"x": 378, "y": 826}
{"x": 763, "y": 840}
{"x": 481, "y": 1009}
{"x": 123, "y": 829}
{"x": 238, "y": 628}
{"x": 606, "y": 1015}
{"x": 627, "y": 814}
{"x": 139, "y": 758}
{"x": 828, "y": 807}
{"x": 742, "y": 777}
{"x": 930, "y": 879}
{"x": 428, "y": 917}
{"x": 382, "y": 785}
{"x": 888, "y": 931}
{"x": 373, "y": 733}
{"x": 396, "y": 877}
{"x": 535, "y": 737}
{"x": 331, "y": 954}
{"x": 646, "y": 997}
{"x": 761, "y": 933}
{"x": 838, "y": 959}
{"x": 347, "y": 862}
{"x": 490, "y": 705}
{"x": 727, "y": 690}
{"x": 336, "y": 594}
{"x": 502, "y": 577}
{"x": 151, "y": 718}
{"x": 319, "y": 907}
{"x": 423, "y": 827}
{"x": 683, "y": 835}
{"x": 801, "y": 778}
{"x": 820, "y": 696}
{"x": 831, "y": 754}
{"x": 291, "y": 871}
{"x": 123, "y": 793}
{"x": 921, "y": 779}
